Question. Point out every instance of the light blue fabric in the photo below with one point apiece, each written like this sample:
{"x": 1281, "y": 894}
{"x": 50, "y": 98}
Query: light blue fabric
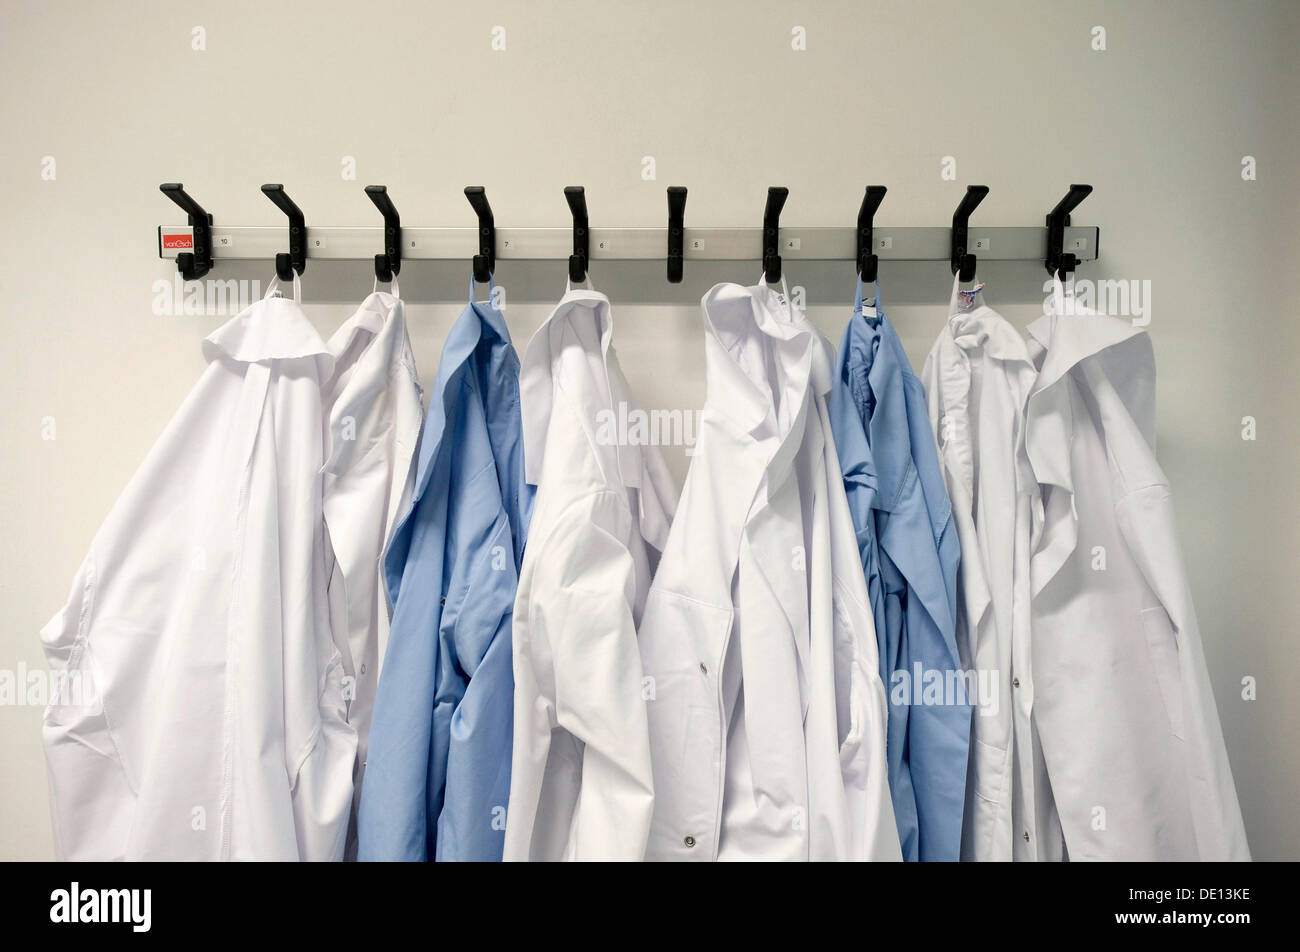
{"x": 910, "y": 553}
{"x": 437, "y": 779}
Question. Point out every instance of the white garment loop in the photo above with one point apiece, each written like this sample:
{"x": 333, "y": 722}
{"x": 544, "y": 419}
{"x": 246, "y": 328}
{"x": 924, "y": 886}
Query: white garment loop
{"x": 273, "y": 289}
{"x": 954, "y": 306}
{"x": 1059, "y": 295}
{"x": 392, "y": 287}
{"x": 785, "y": 292}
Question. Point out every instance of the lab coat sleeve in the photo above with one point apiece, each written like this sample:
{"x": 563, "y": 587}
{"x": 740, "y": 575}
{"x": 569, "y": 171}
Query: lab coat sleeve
{"x": 1146, "y": 518}
{"x": 583, "y": 646}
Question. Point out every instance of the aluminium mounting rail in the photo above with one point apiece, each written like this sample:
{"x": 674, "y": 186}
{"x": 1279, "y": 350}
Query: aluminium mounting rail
{"x": 639, "y": 244}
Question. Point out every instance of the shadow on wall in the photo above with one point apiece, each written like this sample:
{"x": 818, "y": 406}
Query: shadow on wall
{"x": 645, "y": 282}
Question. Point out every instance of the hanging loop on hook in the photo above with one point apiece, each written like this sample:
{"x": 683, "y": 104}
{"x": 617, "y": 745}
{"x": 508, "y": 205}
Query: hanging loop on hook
{"x": 485, "y": 262}
{"x": 196, "y": 263}
{"x": 868, "y": 263}
{"x": 577, "y": 199}
{"x": 776, "y": 196}
{"x": 296, "y": 259}
{"x": 1058, "y": 259}
{"x": 963, "y": 263}
{"x": 389, "y": 263}
{"x": 676, "y": 232}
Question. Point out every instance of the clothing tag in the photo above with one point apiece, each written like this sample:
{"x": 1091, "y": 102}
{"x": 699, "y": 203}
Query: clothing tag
{"x": 968, "y": 297}
{"x": 277, "y": 293}
{"x": 869, "y": 310}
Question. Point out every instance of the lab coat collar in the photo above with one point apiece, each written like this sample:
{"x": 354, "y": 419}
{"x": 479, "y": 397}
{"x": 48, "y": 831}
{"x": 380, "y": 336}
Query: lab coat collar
{"x": 856, "y": 460}
{"x": 388, "y": 352}
{"x": 274, "y": 328}
{"x": 983, "y": 329}
{"x": 493, "y": 321}
{"x": 800, "y": 359}
{"x": 801, "y": 355}
{"x": 974, "y": 333}
{"x": 479, "y": 321}
{"x": 643, "y": 471}
{"x": 1060, "y": 340}
{"x": 1068, "y": 334}
{"x": 873, "y": 370}
{"x": 537, "y": 380}
{"x": 1065, "y": 337}
{"x": 371, "y": 316}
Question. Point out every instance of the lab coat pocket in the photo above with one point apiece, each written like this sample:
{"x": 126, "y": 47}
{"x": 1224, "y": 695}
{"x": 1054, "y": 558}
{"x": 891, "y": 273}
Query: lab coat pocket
{"x": 91, "y": 798}
{"x": 322, "y": 784}
{"x": 72, "y": 692}
{"x": 992, "y": 767}
{"x": 63, "y": 640}
{"x": 860, "y": 716}
{"x": 863, "y": 771}
{"x": 986, "y": 832}
{"x": 681, "y": 640}
{"x": 1162, "y": 647}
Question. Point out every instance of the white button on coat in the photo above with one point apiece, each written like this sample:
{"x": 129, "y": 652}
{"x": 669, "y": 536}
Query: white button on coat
{"x": 581, "y": 783}
{"x": 767, "y": 715}
{"x": 1123, "y": 701}
{"x": 200, "y": 613}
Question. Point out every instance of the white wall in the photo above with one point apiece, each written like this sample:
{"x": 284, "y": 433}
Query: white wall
{"x": 1158, "y": 123}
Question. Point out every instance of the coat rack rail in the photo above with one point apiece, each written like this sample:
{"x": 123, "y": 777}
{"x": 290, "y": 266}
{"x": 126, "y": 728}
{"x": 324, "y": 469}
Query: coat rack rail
{"x": 635, "y": 244}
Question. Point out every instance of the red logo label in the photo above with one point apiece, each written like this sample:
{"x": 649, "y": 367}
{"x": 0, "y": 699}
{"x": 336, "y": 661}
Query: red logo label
{"x": 177, "y": 241}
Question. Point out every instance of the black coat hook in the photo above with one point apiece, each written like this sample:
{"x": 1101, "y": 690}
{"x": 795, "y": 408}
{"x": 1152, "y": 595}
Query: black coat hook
{"x": 676, "y": 232}
{"x": 390, "y": 262}
{"x": 776, "y": 196}
{"x": 198, "y": 262}
{"x": 1058, "y": 259}
{"x": 868, "y": 263}
{"x": 296, "y": 259}
{"x": 963, "y": 263}
{"x": 485, "y": 262}
{"x": 577, "y": 200}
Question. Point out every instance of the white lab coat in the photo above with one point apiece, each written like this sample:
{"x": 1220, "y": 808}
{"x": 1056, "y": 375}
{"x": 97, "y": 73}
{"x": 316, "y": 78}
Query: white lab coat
{"x": 372, "y": 404}
{"x": 977, "y": 378}
{"x": 1124, "y": 703}
{"x": 581, "y": 783}
{"x": 767, "y": 715}
{"x": 200, "y": 613}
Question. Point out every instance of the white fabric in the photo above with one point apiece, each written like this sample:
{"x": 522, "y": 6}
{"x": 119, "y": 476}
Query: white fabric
{"x": 767, "y": 715}
{"x": 228, "y": 612}
{"x": 977, "y": 378}
{"x": 1124, "y": 702}
{"x": 581, "y": 778}
{"x": 200, "y": 614}
{"x": 372, "y": 405}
